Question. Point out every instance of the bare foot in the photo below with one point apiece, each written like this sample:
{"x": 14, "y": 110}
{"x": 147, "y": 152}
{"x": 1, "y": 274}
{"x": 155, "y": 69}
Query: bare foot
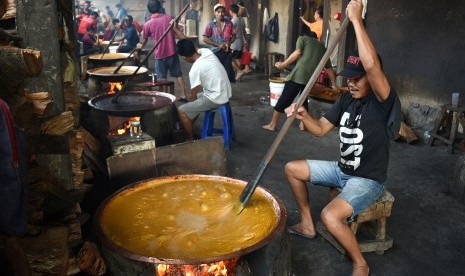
{"x": 360, "y": 270}
{"x": 269, "y": 127}
{"x": 308, "y": 231}
{"x": 239, "y": 75}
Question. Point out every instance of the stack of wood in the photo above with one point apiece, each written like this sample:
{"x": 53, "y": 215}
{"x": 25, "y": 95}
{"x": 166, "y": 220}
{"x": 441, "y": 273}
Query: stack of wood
{"x": 93, "y": 156}
{"x": 7, "y": 9}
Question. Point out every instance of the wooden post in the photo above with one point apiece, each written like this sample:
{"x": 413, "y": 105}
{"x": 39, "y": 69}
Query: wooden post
{"x": 37, "y": 24}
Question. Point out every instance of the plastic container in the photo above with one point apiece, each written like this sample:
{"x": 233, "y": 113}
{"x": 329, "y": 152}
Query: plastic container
{"x": 276, "y": 89}
{"x": 112, "y": 49}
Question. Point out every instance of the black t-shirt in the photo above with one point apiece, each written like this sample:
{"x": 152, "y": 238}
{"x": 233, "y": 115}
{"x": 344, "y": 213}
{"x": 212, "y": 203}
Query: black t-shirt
{"x": 364, "y": 141}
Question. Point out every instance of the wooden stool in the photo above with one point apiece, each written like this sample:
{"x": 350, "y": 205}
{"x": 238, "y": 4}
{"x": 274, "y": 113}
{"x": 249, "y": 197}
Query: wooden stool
{"x": 442, "y": 119}
{"x": 375, "y": 215}
{"x": 271, "y": 59}
{"x": 163, "y": 85}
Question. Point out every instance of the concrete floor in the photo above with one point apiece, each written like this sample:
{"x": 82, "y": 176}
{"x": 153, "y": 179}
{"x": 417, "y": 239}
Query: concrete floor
{"x": 427, "y": 223}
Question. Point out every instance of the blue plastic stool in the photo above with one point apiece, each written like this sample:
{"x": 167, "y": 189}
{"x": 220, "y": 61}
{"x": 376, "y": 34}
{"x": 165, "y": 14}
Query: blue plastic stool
{"x": 208, "y": 128}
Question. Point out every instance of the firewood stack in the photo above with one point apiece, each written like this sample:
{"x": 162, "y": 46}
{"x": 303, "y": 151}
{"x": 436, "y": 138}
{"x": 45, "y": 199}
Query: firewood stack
{"x": 55, "y": 216}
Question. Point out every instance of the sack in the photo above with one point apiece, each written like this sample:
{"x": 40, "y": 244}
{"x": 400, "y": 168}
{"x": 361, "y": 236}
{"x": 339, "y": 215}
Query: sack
{"x": 272, "y": 29}
{"x": 13, "y": 185}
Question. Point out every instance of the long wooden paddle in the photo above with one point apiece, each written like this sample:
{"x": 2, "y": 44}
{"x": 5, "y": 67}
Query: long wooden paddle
{"x": 110, "y": 42}
{"x": 252, "y": 185}
{"x": 117, "y": 95}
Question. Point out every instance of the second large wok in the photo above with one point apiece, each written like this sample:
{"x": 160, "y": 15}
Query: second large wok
{"x": 105, "y": 74}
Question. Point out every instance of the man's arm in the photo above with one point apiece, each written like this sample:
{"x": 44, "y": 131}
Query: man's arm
{"x": 293, "y": 57}
{"x": 193, "y": 94}
{"x": 207, "y": 40}
{"x": 316, "y": 127}
{"x": 305, "y": 22}
{"x": 367, "y": 52}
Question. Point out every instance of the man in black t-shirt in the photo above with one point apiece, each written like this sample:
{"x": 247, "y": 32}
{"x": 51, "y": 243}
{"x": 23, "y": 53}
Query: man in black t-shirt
{"x": 368, "y": 116}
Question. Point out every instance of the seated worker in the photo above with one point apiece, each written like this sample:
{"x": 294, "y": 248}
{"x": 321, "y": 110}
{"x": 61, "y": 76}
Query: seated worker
{"x": 130, "y": 35}
{"x": 110, "y": 30}
{"x": 368, "y": 117}
{"x": 210, "y": 86}
{"x": 89, "y": 42}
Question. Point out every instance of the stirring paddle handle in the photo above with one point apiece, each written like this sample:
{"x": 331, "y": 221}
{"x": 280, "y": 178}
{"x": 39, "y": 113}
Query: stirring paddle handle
{"x": 117, "y": 95}
{"x": 252, "y": 185}
{"x": 109, "y": 43}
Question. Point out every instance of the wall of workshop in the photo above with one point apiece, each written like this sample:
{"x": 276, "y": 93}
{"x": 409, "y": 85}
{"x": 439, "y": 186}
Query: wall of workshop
{"x": 422, "y": 45}
{"x": 284, "y": 9}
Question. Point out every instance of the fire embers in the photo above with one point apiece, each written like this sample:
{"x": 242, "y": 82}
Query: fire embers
{"x": 124, "y": 125}
{"x": 114, "y": 87}
{"x": 221, "y": 268}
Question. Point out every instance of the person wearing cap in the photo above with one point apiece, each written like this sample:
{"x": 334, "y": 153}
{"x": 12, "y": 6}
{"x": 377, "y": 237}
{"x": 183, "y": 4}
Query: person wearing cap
{"x": 219, "y": 34}
{"x": 308, "y": 53}
{"x": 368, "y": 117}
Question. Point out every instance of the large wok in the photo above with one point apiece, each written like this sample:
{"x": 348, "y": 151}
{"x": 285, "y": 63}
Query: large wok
{"x": 131, "y": 103}
{"x": 182, "y": 220}
{"x": 105, "y": 74}
{"x": 109, "y": 59}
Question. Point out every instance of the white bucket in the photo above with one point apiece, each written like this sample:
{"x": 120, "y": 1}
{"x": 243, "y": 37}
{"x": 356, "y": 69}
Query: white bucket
{"x": 276, "y": 89}
{"x": 113, "y": 49}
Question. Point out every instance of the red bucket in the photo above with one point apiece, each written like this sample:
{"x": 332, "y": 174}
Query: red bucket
{"x": 245, "y": 58}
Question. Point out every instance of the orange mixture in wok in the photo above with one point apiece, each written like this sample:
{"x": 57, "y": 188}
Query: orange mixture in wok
{"x": 187, "y": 220}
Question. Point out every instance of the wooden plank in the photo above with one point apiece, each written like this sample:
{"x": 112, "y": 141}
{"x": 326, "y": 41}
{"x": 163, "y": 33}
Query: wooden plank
{"x": 131, "y": 167}
{"x": 53, "y": 152}
{"x": 206, "y": 156}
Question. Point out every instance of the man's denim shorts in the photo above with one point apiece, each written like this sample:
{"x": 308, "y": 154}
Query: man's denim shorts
{"x": 359, "y": 192}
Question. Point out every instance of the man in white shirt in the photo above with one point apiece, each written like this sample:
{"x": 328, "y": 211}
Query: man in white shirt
{"x": 210, "y": 86}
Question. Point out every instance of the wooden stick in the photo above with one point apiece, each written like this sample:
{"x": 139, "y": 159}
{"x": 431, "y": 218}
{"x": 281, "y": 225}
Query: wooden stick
{"x": 111, "y": 41}
{"x": 250, "y": 187}
{"x": 117, "y": 95}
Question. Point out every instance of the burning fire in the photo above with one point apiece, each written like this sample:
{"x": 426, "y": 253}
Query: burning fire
{"x": 221, "y": 268}
{"x": 115, "y": 87}
{"x": 124, "y": 129}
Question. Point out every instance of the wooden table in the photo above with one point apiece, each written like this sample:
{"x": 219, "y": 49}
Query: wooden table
{"x": 164, "y": 85}
{"x": 326, "y": 94}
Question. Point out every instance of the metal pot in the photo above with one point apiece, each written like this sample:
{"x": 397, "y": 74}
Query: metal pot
{"x": 105, "y": 74}
{"x": 121, "y": 215}
{"x": 110, "y": 59}
{"x": 131, "y": 103}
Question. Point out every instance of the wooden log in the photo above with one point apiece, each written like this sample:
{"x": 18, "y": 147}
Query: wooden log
{"x": 90, "y": 261}
{"x": 58, "y": 125}
{"x": 7, "y": 9}
{"x": 20, "y": 63}
{"x": 47, "y": 253}
{"x": 405, "y": 133}
{"x": 40, "y": 101}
